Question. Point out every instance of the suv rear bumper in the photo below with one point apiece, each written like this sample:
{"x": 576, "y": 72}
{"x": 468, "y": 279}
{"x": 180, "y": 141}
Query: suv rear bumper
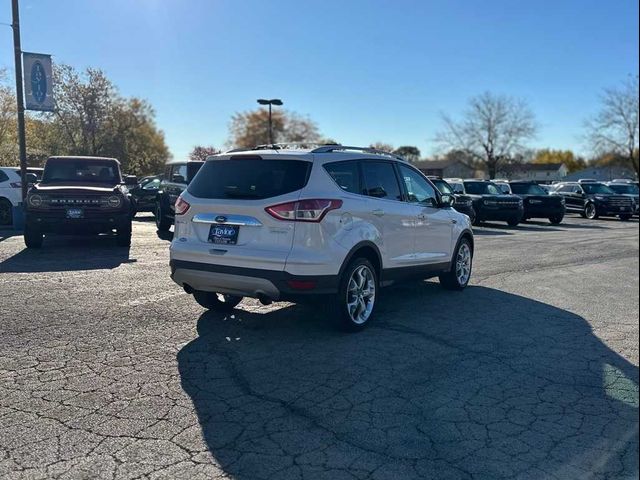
{"x": 250, "y": 282}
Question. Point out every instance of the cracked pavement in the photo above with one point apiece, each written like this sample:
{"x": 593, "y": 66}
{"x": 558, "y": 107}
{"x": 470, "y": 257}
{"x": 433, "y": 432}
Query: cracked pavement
{"x": 109, "y": 370}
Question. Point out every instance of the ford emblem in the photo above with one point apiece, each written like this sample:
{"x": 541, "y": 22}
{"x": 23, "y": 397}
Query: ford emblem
{"x": 221, "y": 219}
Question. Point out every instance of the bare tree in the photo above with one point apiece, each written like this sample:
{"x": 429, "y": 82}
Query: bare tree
{"x": 494, "y": 130}
{"x": 385, "y": 147}
{"x": 614, "y": 129}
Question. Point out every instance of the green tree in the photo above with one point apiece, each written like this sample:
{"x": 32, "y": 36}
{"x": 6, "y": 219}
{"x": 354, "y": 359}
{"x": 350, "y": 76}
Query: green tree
{"x": 567, "y": 157}
{"x": 493, "y": 130}
{"x": 410, "y": 153}
{"x": 249, "y": 129}
{"x": 201, "y": 153}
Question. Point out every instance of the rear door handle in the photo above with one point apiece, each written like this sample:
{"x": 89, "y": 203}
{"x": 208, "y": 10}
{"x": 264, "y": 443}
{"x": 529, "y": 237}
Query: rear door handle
{"x": 378, "y": 212}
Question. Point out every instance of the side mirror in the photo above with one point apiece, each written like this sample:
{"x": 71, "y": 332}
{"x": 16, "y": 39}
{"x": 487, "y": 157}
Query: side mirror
{"x": 32, "y": 178}
{"x": 447, "y": 200}
{"x": 131, "y": 180}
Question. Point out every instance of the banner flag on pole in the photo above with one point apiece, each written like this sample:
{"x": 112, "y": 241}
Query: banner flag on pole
{"x": 38, "y": 81}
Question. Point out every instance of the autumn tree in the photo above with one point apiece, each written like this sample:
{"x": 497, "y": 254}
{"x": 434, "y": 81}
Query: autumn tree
{"x": 200, "y": 153}
{"x": 91, "y": 118}
{"x": 614, "y": 129}
{"x": 8, "y": 138}
{"x": 410, "y": 153}
{"x": 493, "y": 130}
{"x": 251, "y": 128}
{"x": 567, "y": 157}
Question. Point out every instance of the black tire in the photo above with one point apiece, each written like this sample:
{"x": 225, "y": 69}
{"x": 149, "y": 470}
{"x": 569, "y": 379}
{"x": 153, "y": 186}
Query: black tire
{"x": 513, "y": 222}
{"x": 33, "y": 238}
{"x": 212, "y": 301}
{"x": 339, "y": 307}
{"x": 162, "y": 222}
{"x": 590, "y": 211}
{"x": 6, "y": 212}
{"x": 556, "y": 219}
{"x": 625, "y": 218}
{"x": 123, "y": 236}
{"x": 451, "y": 280}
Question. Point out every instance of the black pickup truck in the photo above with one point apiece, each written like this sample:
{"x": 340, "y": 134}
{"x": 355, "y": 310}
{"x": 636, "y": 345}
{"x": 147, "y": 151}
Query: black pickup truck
{"x": 79, "y": 195}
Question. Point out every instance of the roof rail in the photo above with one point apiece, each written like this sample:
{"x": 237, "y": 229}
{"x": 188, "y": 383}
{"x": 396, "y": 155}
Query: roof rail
{"x": 279, "y": 146}
{"x": 337, "y": 147}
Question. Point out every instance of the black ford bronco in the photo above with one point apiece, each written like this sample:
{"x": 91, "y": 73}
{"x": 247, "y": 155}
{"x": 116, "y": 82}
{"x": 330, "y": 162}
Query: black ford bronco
{"x": 79, "y": 195}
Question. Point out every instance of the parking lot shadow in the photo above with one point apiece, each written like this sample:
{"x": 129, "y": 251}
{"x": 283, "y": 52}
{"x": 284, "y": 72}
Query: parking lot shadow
{"x": 61, "y": 254}
{"x": 479, "y": 384}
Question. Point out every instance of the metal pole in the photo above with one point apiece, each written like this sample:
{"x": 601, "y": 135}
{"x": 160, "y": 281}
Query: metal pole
{"x": 270, "y": 127}
{"x": 17, "y": 49}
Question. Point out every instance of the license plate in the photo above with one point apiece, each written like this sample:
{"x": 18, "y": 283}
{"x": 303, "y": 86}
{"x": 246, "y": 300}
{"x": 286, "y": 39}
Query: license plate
{"x": 75, "y": 213}
{"x": 221, "y": 234}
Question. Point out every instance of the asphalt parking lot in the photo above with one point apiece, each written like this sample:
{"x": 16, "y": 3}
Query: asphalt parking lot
{"x": 109, "y": 370}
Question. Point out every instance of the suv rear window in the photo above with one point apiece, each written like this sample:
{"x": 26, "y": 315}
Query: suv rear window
{"x": 249, "y": 178}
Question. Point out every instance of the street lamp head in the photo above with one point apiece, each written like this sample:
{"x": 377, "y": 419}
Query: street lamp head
{"x": 275, "y": 101}
{"x": 262, "y": 101}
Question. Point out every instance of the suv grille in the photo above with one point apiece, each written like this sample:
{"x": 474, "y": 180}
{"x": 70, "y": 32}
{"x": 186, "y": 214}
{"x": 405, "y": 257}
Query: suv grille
{"x": 61, "y": 201}
{"x": 619, "y": 202}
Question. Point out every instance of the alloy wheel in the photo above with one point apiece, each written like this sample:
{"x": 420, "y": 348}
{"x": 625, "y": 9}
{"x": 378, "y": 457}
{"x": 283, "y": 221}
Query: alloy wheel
{"x": 361, "y": 294}
{"x": 463, "y": 264}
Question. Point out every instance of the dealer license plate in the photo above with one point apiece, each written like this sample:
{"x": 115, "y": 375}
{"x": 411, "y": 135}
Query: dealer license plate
{"x": 221, "y": 234}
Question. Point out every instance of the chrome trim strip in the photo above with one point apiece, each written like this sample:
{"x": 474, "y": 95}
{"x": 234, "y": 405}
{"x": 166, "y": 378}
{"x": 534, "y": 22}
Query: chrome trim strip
{"x": 241, "y": 220}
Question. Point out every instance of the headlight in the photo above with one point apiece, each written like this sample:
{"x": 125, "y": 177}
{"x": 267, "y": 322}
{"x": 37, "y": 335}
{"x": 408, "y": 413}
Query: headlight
{"x": 35, "y": 200}
{"x": 114, "y": 201}
{"x": 600, "y": 198}
{"x": 563, "y": 201}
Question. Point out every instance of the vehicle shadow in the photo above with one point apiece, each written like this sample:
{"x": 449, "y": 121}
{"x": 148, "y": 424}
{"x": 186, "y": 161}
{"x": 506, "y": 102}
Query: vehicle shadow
{"x": 480, "y": 384}
{"x": 61, "y": 254}
{"x": 4, "y": 234}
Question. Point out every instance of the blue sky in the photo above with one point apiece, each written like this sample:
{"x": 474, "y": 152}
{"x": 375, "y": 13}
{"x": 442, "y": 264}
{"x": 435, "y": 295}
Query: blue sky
{"x": 365, "y": 71}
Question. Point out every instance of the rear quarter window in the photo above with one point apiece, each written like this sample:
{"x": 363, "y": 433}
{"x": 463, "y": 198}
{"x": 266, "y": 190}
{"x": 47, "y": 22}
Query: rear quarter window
{"x": 249, "y": 179}
{"x": 346, "y": 174}
{"x": 3, "y": 176}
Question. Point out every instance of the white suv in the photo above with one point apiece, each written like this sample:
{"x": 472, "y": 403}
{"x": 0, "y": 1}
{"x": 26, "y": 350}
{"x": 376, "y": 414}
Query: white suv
{"x": 10, "y": 194}
{"x": 290, "y": 224}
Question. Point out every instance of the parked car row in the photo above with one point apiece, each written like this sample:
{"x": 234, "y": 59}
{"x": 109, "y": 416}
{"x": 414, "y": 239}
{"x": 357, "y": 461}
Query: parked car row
{"x": 518, "y": 201}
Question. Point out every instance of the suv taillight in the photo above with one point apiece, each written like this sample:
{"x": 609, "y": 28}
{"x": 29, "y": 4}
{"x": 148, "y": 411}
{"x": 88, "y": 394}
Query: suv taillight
{"x": 312, "y": 210}
{"x": 181, "y": 206}
{"x": 16, "y": 185}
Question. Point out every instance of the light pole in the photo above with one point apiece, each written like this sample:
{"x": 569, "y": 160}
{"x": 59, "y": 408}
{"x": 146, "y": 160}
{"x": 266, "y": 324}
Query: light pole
{"x": 17, "y": 50}
{"x": 273, "y": 101}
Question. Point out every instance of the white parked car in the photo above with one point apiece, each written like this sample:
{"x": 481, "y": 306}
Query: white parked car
{"x": 292, "y": 224}
{"x": 10, "y": 194}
